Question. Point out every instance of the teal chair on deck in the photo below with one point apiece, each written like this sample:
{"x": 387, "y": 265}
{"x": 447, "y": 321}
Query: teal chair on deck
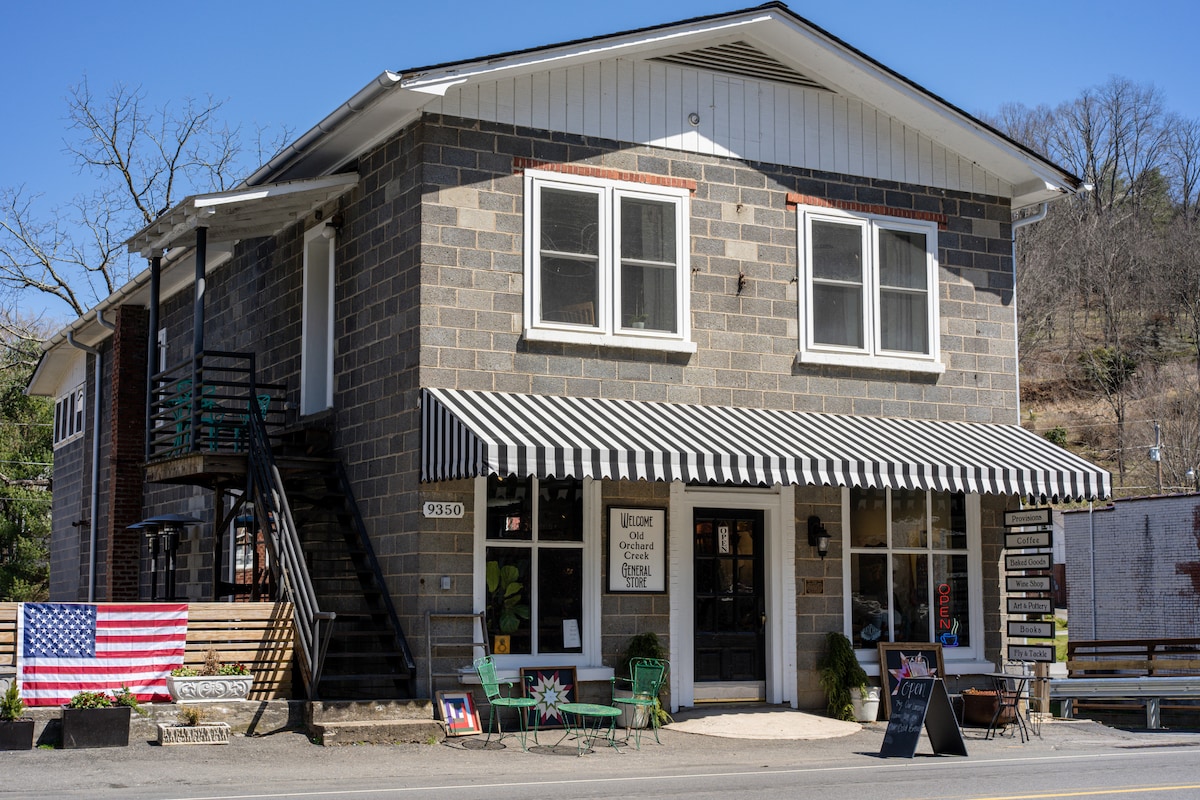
{"x": 647, "y": 678}
{"x": 486, "y": 667}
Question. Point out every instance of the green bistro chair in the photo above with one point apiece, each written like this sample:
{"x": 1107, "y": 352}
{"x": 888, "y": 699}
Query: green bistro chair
{"x": 486, "y": 668}
{"x": 649, "y": 674}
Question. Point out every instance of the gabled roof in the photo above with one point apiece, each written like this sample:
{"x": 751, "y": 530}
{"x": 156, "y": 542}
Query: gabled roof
{"x": 768, "y": 42}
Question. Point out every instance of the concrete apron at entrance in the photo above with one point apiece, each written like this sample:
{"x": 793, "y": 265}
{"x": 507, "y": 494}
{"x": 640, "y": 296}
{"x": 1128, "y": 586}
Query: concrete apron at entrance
{"x": 759, "y": 722}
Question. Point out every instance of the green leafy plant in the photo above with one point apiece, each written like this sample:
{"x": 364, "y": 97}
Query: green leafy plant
{"x": 212, "y": 666}
{"x": 839, "y": 673}
{"x": 12, "y": 707}
{"x": 127, "y": 698}
{"x": 505, "y": 604}
{"x": 90, "y": 700}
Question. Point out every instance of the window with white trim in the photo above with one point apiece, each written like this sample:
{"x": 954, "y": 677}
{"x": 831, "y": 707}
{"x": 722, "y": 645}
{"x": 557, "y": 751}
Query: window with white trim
{"x": 537, "y": 570}
{"x": 869, "y": 290}
{"x": 606, "y": 262}
{"x": 913, "y": 566}
{"x": 69, "y": 415}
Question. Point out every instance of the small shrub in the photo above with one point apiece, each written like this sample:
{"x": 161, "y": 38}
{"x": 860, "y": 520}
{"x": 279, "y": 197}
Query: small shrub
{"x": 191, "y": 716}
{"x": 233, "y": 668}
{"x": 212, "y": 662}
{"x": 184, "y": 672}
{"x": 12, "y": 707}
{"x": 127, "y": 698}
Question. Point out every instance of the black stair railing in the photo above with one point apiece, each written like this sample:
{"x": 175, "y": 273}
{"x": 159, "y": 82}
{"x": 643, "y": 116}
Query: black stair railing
{"x": 313, "y": 626}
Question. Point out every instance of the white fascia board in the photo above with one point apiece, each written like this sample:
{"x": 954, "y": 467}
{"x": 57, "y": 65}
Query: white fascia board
{"x": 438, "y": 81}
{"x": 274, "y": 190}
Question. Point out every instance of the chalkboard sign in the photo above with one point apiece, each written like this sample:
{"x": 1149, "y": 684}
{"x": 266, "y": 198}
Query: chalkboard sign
{"x": 922, "y": 704}
{"x": 900, "y": 660}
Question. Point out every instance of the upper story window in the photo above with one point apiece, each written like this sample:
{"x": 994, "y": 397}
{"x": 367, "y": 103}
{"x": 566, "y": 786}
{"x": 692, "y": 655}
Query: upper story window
{"x": 606, "y": 262}
{"x": 869, "y": 291}
{"x": 68, "y": 415}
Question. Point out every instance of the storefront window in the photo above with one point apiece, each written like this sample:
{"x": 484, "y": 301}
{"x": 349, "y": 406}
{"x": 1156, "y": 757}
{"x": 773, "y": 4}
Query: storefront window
{"x": 909, "y": 567}
{"x": 534, "y": 565}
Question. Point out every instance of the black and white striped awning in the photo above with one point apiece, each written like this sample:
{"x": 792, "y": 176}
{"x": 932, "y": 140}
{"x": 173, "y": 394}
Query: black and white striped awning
{"x": 467, "y": 433}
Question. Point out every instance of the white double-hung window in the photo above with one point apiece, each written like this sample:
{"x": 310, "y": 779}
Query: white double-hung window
{"x": 869, "y": 291}
{"x": 606, "y": 262}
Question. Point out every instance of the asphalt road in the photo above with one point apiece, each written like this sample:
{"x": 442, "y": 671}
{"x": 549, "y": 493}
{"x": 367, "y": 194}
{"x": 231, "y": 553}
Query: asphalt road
{"x": 1076, "y": 759}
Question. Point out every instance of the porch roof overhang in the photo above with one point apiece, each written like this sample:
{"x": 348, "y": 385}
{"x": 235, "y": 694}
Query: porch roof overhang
{"x": 467, "y": 434}
{"x": 244, "y": 213}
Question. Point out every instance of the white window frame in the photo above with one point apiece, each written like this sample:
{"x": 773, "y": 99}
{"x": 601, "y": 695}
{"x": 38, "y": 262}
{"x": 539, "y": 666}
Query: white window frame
{"x": 608, "y": 330}
{"x": 591, "y": 654}
{"x": 958, "y": 660}
{"x": 872, "y": 354}
{"x": 70, "y": 415}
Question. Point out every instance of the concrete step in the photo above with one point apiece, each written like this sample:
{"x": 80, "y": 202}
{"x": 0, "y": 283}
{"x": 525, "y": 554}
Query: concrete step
{"x": 378, "y": 732}
{"x": 323, "y": 711}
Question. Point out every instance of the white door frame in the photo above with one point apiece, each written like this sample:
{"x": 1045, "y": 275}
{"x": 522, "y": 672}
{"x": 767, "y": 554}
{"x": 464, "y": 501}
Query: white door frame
{"x": 779, "y": 574}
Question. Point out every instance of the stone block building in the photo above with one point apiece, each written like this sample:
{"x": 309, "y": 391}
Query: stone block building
{"x": 705, "y": 329}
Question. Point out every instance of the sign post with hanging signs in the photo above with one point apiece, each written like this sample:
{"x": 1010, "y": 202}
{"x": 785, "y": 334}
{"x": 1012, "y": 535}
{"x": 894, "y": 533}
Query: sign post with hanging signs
{"x": 1035, "y": 534}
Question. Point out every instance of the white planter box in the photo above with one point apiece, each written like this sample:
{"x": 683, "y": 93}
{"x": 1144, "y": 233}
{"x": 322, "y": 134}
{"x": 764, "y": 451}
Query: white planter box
{"x": 204, "y": 733}
{"x": 209, "y": 688}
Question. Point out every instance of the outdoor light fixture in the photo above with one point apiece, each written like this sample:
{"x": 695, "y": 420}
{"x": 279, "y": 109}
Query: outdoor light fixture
{"x": 162, "y": 535}
{"x": 818, "y": 537}
{"x": 1190, "y": 475}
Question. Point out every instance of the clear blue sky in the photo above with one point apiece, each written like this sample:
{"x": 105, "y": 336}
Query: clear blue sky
{"x": 278, "y": 64}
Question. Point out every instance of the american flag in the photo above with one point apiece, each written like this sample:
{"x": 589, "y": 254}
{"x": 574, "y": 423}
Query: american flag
{"x": 66, "y": 648}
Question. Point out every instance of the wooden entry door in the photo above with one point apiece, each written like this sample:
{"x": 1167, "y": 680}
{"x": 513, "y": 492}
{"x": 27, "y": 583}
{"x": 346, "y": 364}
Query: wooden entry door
{"x": 730, "y": 614}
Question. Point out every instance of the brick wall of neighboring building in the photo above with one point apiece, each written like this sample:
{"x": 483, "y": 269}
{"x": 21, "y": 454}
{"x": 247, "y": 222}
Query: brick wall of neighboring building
{"x": 127, "y": 453}
{"x": 1147, "y": 568}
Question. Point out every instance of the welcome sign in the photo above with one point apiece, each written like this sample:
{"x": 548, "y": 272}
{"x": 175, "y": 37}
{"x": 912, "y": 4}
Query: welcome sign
{"x": 637, "y": 549}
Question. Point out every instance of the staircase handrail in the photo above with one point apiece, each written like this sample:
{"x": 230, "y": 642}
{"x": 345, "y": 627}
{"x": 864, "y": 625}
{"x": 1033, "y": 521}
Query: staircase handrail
{"x": 313, "y": 626}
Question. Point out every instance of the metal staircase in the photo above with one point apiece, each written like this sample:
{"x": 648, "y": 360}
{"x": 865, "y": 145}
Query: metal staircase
{"x": 349, "y": 637}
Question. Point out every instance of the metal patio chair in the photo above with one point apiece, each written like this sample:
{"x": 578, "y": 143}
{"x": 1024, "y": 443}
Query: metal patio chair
{"x": 648, "y": 677}
{"x": 486, "y": 668}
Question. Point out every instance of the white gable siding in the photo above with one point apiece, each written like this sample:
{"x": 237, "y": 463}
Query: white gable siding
{"x": 648, "y": 103}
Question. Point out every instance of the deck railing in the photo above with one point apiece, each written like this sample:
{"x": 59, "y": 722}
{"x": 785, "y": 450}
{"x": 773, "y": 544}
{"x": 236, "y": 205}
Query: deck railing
{"x": 202, "y": 404}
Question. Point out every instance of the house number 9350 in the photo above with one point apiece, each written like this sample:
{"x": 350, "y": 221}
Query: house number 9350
{"x": 436, "y": 510}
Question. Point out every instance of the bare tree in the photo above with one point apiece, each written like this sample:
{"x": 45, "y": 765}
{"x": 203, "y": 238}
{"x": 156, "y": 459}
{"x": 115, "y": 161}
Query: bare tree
{"x": 142, "y": 160}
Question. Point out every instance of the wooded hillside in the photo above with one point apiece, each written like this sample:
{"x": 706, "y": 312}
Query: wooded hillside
{"x": 1108, "y": 286}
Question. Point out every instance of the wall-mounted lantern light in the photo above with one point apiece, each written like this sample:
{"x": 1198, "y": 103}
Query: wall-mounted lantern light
{"x": 818, "y": 537}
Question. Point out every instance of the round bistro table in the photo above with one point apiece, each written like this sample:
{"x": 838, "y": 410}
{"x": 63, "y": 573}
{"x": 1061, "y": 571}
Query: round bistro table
{"x": 590, "y": 721}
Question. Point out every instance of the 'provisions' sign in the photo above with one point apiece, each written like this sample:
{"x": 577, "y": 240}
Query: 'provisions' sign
{"x": 1026, "y": 517}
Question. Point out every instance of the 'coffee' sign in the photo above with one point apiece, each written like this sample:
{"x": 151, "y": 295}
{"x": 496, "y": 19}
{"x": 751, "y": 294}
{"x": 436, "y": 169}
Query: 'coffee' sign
{"x": 637, "y": 549}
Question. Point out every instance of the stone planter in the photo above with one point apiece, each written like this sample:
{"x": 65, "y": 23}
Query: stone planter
{"x": 865, "y": 705}
{"x": 16, "y": 735}
{"x": 95, "y": 727}
{"x": 209, "y": 688}
{"x": 632, "y": 716}
{"x": 204, "y": 733}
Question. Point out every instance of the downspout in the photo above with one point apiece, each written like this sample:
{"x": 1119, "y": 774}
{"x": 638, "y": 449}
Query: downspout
{"x": 1021, "y": 223}
{"x": 95, "y": 494}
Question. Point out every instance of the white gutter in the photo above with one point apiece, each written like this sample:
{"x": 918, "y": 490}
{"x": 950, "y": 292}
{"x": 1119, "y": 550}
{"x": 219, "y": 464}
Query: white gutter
{"x": 363, "y": 98}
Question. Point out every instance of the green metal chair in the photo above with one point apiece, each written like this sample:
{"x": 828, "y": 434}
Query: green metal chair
{"x": 486, "y": 668}
{"x": 648, "y": 677}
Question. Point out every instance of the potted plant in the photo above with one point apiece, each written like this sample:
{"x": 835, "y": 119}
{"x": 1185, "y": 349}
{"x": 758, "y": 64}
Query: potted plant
{"x": 979, "y": 708}
{"x": 215, "y": 681}
{"x": 643, "y": 645}
{"x": 505, "y": 608}
{"x": 95, "y": 719}
{"x": 845, "y": 682}
{"x": 193, "y": 728}
{"x": 16, "y": 732}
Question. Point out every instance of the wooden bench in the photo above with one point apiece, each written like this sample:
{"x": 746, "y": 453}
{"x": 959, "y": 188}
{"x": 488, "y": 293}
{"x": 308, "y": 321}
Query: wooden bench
{"x": 1143, "y": 671}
